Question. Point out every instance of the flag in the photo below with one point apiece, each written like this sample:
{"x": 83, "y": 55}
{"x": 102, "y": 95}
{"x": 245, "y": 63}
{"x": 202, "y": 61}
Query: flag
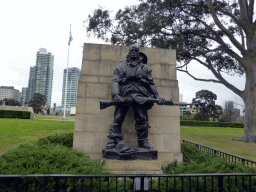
{"x": 70, "y": 38}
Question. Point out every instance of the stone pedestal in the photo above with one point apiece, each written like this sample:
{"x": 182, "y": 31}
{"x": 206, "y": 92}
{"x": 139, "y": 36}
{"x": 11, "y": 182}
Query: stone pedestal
{"x": 132, "y": 167}
{"x": 92, "y": 124}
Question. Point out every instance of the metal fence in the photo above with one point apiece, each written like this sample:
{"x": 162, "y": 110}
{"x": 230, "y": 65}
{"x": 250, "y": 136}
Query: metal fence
{"x": 178, "y": 182}
{"x": 229, "y": 157}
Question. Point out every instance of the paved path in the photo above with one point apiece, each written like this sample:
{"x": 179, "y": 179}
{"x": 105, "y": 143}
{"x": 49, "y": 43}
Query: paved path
{"x": 61, "y": 119}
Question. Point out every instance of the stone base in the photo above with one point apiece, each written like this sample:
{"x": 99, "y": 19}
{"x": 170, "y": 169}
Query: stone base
{"x": 132, "y": 167}
{"x": 135, "y": 154}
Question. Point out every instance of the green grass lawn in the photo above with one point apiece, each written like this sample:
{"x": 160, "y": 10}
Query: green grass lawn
{"x": 221, "y": 139}
{"x": 18, "y": 131}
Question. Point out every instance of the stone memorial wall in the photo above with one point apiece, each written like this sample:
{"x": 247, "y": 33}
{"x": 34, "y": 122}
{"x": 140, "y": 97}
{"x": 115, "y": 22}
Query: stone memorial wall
{"x": 92, "y": 124}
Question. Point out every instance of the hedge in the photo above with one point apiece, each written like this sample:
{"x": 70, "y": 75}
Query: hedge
{"x": 14, "y": 114}
{"x": 210, "y": 124}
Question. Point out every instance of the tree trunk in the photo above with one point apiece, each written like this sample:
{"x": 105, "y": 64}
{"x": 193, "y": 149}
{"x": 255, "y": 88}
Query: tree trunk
{"x": 249, "y": 98}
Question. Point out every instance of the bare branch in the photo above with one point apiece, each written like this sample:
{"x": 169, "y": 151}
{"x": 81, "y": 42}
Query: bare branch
{"x": 218, "y": 23}
{"x": 198, "y": 79}
{"x": 223, "y": 81}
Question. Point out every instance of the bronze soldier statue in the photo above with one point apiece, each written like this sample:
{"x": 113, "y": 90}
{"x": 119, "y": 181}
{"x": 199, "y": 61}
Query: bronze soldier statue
{"x": 132, "y": 80}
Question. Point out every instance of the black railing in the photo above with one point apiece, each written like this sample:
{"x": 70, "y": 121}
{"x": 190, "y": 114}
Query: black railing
{"x": 180, "y": 182}
{"x": 229, "y": 157}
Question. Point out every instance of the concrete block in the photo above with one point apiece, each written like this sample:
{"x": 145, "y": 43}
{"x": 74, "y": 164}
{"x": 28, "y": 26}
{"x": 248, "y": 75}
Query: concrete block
{"x": 96, "y": 90}
{"x": 92, "y": 123}
{"x": 168, "y": 56}
{"x": 165, "y": 92}
{"x": 178, "y": 157}
{"x": 153, "y": 55}
{"x": 160, "y": 71}
{"x": 81, "y": 89}
{"x": 163, "y": 125}
{"x": 32, "y": 116}
{"x": 157, "y": 82}
{"x": 95, "y": 156}
{"x": 90, "y": 142}
{"x": 105, "y": 79}
{"x": 124, "y": 53}
{"x": 165, "y": 142}
{"x": 89, "y": 78}
{"x": 110, "y": 53}
{"x": 103, "y": 68}
{"x": 135, "y": 165}
{"x": 163, "y": 111}
{"x": 169, "y": 83}
{"x": 175, "y": 94}
{"x": 91, "y": 51}
{"x": 87, "y": 106}
{"x": 166, "y": 158}
{"x": 172, "y": 72}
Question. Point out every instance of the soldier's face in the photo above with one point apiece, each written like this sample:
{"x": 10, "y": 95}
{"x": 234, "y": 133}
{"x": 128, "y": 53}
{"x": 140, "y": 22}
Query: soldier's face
{"x": 133, "y": 52}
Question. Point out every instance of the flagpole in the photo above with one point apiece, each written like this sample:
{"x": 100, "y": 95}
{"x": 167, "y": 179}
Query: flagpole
{"x": 64, "y": 116}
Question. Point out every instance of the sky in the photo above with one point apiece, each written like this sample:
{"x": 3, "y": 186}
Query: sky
{"x": 28, "y": 25}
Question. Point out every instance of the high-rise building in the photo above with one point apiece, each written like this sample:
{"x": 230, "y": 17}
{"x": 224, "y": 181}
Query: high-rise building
{"x": 41, "y": 77}
{"x": 73, "y": 78}
{"x": 25, "y": 95}
{"x": 9, "y": 93}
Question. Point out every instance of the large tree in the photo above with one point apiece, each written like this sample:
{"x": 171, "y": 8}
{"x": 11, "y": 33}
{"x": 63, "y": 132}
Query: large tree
{"x": 37, "y": 102}
{"x": 218, "y": 34}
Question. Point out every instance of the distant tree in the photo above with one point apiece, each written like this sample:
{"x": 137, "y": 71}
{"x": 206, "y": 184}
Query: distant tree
{"x": 10, "y": 102}
{"x": 217, "y": 34}
{"x": 205, "y": 104}
{"x": 228, "y": 116}
{"x": 37, "y": 102}
{"x": 188, "y": 114}
{"x": 201, "y": 116}
{"x": 48, "y": 111}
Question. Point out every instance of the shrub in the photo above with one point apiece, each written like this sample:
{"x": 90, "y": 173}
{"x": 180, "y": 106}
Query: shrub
{"x": 196, "y": 161}
{"x": 65, "y": 139}
{"x": 51, "y": 159}
{"x": 14, "y": 114}
{"x": 211, "y": 124}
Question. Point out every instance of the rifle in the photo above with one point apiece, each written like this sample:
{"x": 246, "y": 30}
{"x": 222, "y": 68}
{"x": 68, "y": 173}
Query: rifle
{"x": 105, "y": 104}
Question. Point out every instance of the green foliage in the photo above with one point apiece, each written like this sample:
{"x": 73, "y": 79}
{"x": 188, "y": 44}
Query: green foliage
{"x": 196, "y": 161}
{"x": 37, "y": 102}
{"x": 10, "y": 102}
{"x": 65, "y": 139}
{"x": 201, "y": 116}
{"x": 210, "y": 124}
{"x": 52, "y": 159}
{"x": 183, "y": 118}
{"x": 14, "y": 114}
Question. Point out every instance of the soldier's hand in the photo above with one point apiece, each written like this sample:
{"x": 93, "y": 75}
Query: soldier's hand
{"x": 117, "y": 98}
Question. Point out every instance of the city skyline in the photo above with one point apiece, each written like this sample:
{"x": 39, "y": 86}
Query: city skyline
{"x": 51, "y": 30}
{"x": 40, "y": 77}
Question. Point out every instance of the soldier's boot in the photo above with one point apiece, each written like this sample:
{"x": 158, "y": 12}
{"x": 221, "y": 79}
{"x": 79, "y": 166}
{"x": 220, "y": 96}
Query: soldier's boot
{"x": 111, "y": 143}
{"x": 144, "y": 144}
{"x": 143, "y": 139}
